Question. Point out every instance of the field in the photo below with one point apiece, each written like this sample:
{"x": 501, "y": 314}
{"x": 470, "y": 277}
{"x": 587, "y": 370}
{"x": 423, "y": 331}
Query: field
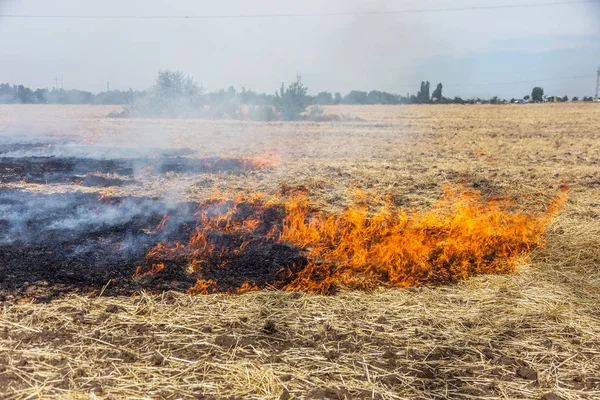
{"x": 87, "y": 332}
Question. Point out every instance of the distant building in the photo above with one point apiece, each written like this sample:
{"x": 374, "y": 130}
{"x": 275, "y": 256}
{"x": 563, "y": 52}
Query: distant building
{"x": 552, "y": 99}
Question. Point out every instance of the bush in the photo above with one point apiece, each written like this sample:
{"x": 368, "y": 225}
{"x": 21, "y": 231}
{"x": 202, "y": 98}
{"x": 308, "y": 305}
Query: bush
{"x": 356, "y": 97}
{"x": 291, "y": 102}
{"x": 315, "y": 112}
{"x": 262, "y": 113}
{"x": 323, "y": 98}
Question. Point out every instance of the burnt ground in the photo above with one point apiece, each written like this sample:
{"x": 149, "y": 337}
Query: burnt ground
{"x": 52, "y": 244}
{"x": 76, "y": 170}
{"x": 236, "y": 256}
{"x": 48, "y": 163}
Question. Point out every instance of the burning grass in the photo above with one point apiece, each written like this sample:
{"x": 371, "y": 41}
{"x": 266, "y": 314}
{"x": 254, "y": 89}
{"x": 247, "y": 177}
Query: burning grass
{"x": 484, "y": 337}
{"x": 253, "y": 242}
{"x": 231, "y": 164}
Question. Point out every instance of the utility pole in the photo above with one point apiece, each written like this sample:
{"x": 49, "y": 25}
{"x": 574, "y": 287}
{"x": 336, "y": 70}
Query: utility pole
{"x": 597, "y": 85}
{"x": 56, "y": 82}
{"x": 107, "y": 86}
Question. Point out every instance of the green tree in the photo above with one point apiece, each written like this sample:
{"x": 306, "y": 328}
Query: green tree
{"x": 537, "y": 94}
{"x": 323, "y": 98}
{"x": 174, "y": 95}
{"x": 423, "y": 95}
{"x": 575, "y": 98}
{"x": 338, "y": 98}
{"x": 356, "y": 97}
{"x": 377, "y": 97}
{"x": 526, "y": 97}
{"x": 175, "y": 84}
{"x": 291, "y": 102}
{"x": 437, "y": 93}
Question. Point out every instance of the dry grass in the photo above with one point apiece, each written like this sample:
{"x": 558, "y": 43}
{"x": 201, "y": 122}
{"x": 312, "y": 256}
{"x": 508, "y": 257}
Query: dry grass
{"x": 519, "y": 336}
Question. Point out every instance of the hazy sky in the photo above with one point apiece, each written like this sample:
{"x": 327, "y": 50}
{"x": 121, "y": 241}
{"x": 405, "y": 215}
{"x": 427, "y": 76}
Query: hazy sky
{"x": 472, "y": 52}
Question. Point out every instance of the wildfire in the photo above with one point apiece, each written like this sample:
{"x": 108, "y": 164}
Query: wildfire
{"x": 106, "y": 196}
{"x": 252, "y": 242}
{"x": 161, "y": 224}
{"x": 265, "y": 161}
{"x": 243, "y": 163}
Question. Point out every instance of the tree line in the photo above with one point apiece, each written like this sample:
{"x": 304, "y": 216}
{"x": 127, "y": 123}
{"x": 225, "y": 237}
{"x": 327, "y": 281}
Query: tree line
{"x": 19, "y": 94}
{"x": 176, "y": 95}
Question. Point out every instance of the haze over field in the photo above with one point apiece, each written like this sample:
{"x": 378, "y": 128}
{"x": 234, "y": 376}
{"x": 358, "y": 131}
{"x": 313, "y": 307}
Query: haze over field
{"x": 470, "y": 51}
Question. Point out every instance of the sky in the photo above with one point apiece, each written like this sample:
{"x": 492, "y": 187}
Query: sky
{"x": 483, "y": 52}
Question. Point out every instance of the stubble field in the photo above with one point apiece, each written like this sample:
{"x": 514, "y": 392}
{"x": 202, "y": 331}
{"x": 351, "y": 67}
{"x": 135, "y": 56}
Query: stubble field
{"x": 533, "y": 334}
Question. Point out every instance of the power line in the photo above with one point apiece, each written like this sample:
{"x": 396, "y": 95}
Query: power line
{"x": 305, "y": 15}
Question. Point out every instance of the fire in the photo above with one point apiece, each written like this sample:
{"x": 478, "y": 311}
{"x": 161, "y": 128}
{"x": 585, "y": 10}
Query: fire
{"x": 463, "y": 235}
{"x": 156, "y": 268}
{"x": 264, "y": 161}
{"x": 252, "y": 242}
{"x": 241, "y": 164}
{"x": 162, "y": 223}
{"x": 106, "y": 196}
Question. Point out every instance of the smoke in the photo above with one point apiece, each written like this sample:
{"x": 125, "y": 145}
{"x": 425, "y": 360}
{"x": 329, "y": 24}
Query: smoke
{"x": 94, "y": 223}
{"x": 32, "y": 146}
{"x": 75, "y": 239}
{"x": 34, "y": 218}
{"x": 46, "y": 219}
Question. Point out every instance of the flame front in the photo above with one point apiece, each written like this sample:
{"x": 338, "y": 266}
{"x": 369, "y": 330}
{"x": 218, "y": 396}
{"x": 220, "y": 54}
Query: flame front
{"x": 360, "y": 248}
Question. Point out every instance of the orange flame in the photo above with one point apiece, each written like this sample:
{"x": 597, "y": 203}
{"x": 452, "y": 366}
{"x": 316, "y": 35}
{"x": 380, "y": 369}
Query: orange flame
{"x": 154, "y": 269}
{"x": 265, "y": 161}
{"x": 162, "y": 223}
{"x": 361, "y": 248}
{"x": 203, "y": 286}
{"x": 243, "y": 163}
{"x": 463, "y": 235}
